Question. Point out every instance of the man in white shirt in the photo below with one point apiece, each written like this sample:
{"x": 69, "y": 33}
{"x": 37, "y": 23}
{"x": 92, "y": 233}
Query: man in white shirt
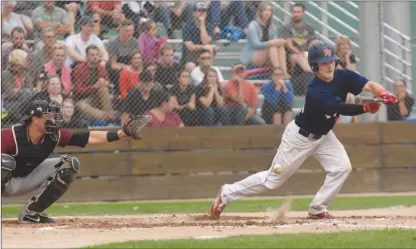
{"x": 77, "y": 43}
{"x": 206, "y": 58}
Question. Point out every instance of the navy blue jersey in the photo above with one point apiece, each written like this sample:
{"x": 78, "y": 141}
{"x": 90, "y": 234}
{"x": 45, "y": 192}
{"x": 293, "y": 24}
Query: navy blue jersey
{"x": 318, "y": 115}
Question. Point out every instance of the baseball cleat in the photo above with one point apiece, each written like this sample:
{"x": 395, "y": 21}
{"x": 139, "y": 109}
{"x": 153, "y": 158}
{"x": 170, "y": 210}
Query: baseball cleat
{"x": 323, "y": 215}
{"x": 217, "y": 206}
{"x": 37, "y": 218}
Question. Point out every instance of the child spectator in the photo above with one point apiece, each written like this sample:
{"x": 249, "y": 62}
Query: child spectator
{"x": 278, "y": 100}
{"x": 185, "y": 96}
{"x": 149, "y": 44}
{"x": 163, "y": 115}
{"x": 129, "y": 76}
{"x": 70, "y": 120}
{"x": 210, "y": 101}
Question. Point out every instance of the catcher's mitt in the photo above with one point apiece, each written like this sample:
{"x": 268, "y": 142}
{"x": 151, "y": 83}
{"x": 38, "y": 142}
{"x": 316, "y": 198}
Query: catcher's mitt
{"x": 133, "y": 127}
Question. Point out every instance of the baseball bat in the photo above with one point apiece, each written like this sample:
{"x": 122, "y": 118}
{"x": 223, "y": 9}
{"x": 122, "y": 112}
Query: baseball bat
{"x": 364, "y": 100}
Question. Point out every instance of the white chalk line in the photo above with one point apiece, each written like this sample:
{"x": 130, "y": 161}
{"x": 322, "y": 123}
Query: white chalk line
{"x": 349, "y": 225}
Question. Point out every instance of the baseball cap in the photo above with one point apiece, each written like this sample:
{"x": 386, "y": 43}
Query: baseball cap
{"x": 85, "y": 20}
{"x": 201, "y": 6}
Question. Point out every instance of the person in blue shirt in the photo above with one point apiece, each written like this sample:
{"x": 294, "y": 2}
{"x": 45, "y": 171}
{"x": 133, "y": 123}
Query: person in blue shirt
{"x": 310, "y": 134}
{"x": 278, "y": 99}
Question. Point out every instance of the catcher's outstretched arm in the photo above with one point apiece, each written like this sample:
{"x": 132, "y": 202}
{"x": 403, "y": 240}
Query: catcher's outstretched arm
{"x": 131, "y": 129}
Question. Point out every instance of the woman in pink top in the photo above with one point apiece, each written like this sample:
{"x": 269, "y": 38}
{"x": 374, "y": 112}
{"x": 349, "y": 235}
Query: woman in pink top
{"x": 56, "y": 67}
{"x": 149, "y": 44}
{"x": 164, "y": 115}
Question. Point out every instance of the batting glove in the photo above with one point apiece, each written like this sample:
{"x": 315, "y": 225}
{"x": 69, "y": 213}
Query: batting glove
{"x": 371, "y": 107}
{"x": 389, "y": 99}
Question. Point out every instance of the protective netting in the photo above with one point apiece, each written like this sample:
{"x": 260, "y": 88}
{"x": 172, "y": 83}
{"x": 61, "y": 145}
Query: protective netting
{"x": 185, "y": 62}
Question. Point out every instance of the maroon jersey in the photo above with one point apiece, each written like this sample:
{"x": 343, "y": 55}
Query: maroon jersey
{"x": 15, "y": 142}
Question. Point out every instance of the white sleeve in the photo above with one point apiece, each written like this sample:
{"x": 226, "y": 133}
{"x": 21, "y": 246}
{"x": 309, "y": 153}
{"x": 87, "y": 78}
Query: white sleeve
{"x": 220, "y": 77}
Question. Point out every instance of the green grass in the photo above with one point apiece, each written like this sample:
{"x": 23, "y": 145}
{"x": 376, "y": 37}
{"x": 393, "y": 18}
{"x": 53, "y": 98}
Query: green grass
{"x": 341, "y": 203}
{"x": 359, "y": 239}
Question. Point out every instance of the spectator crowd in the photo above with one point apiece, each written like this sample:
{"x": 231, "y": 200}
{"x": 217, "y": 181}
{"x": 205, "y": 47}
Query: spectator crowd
{"x": 104, "y": 61}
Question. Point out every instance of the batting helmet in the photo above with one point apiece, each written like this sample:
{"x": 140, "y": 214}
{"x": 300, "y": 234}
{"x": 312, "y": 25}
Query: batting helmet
{"x": 321, "y": 52}
{"x": 40, "y": 107}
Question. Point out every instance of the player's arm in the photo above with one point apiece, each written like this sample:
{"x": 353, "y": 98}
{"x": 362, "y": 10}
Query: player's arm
{"x": 82, "y": 139}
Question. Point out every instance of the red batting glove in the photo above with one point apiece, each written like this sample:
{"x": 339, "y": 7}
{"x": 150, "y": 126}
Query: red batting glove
{"x": 371, "y": 107}
{"x": 389, "y": 99}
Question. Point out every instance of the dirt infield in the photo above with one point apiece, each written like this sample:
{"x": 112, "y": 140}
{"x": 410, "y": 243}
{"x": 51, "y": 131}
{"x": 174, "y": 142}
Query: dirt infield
{"x": 83, "y": 231}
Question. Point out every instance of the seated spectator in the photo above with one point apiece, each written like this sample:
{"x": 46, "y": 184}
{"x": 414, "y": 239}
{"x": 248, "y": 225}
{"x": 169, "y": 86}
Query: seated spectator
{"x": 163, "y": 114}
{"x": 57, "y": 67}
{"x": 17, "y": 41}
{"x": 278, "y": 100}
{"x": 26, "y": 7}
{"x": 197, "y": 34}
{"x": 185, "y": 96}
{"x": 299, "y": 36}
{"x": 346, "y": 60}
{"x": 77, "y": 44}
{"x": 149, "y": 44}
{"x": 206, "y": 59}
{"x": 167, "y": 69}
{"x": 213, "y": 13}
{"x": 141, "y": 99}
{"x": 233, "y": 9}
{"x": 111, "y": 14}
{"x": 52, "y": 90}
{"x": 97, "y": 26}
{"x": 91, "y": 87}
{"x": 119, "y": 49}
{"x": 241, "y": 98}
{"x": 16, "y": 93}
{"x": 50, "y": 16}
{"x": 152, "y": 68}
{"x": 11, "y": 20}
{"x": 263, "y": 48}
{"x": 210, "y": 101}
{"x": 403, "y": 109}
{"x": 70, "y": 120}
{"x": 37, "y": 59}
{"x": 74, "y": 13}
{"x": 129, "y": 76}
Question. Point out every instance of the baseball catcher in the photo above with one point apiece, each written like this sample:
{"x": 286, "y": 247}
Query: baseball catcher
{"x": 26, "y": 147}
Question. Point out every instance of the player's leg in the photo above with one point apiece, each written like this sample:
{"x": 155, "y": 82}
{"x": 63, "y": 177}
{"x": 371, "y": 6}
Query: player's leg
{"x": 333, "y": 157}
{"x": 8, "y": 164}
{"x": 50, "y": 180}
{"x": 292, "y": 152}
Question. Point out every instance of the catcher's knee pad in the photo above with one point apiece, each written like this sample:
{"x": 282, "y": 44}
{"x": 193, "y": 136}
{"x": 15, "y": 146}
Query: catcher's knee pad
{"x": 8, "y": 164}
{"x": 56, "y": 187}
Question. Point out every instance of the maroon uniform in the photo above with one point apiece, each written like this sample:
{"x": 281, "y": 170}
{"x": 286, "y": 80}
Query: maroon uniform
{"x": 28, "y": 156}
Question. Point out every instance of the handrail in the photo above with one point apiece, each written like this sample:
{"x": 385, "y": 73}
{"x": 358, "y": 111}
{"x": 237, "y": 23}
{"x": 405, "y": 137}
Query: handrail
{"x": 397, "y": 71}
{"x": 333, "y": 4}
{"x": 335, "y": 18}
{"x": 354, "y": 5}
{"x": 397, "y": 32}
{"x": 387, "y": 51}
{"x": 397, "y": 43}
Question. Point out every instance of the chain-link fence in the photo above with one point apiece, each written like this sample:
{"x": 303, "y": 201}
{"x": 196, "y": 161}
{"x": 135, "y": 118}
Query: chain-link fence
{"x": 186, "y": 63}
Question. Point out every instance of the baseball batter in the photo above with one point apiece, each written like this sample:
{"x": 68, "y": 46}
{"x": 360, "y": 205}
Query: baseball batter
{"x": 310, "y": 134}
{"x": 26, "y": 147}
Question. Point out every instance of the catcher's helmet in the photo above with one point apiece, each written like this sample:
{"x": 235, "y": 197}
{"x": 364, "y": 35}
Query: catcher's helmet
{"x": 40, "y": 107}
{"x": 321, "y": 52}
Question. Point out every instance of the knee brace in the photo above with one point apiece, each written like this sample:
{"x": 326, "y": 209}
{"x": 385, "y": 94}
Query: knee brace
{"x": 67, "y": 170}
{"x": 8, "y": 164}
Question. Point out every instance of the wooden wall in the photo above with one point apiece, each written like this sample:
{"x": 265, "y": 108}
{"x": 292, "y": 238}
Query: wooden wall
{"x": 194, "y": 162}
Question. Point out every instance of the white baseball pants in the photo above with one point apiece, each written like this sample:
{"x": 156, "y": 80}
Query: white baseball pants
{"x": 292, "y": 152}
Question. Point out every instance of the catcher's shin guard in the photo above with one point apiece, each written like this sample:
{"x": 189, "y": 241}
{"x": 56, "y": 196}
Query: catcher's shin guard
{"x": 68, "y": 169}
{"x": 8, "y": 164}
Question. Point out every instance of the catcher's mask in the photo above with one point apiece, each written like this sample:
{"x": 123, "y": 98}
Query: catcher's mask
{"x": 52, "y": 111}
